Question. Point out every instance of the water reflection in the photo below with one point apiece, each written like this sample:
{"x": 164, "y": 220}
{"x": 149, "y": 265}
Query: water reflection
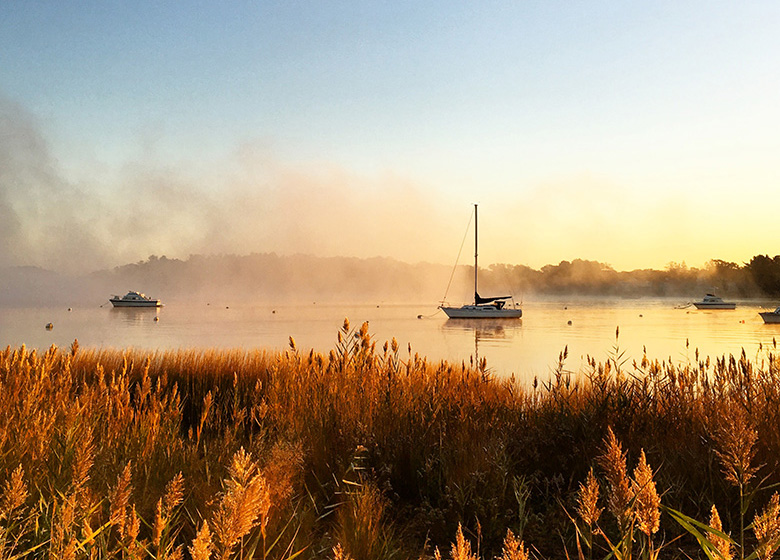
{"x": 135, "y": 315}
{"x": 491, "y": 331}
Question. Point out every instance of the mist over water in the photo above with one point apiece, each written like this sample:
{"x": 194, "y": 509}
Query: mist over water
{"x": 527, "y": 348}
{"x": 77, "y": 221}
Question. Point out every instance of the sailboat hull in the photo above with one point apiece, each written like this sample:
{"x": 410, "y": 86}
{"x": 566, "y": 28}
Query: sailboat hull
{"x": 481, "y": 312}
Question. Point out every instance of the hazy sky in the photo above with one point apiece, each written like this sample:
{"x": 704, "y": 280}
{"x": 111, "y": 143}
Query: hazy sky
{"x": 632, "y": 133}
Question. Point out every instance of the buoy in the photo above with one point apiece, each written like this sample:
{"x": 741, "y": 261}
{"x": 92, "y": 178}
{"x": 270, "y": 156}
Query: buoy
{"x": 49, "y": 326}
{"x": 419, "y": 316}
{"x": 569, "y": 323}
{"x": 641, "y": 315}
{"x": 274, "y": 311}
{"x": 70, "y": 309}
{"x": 156, "y": 318}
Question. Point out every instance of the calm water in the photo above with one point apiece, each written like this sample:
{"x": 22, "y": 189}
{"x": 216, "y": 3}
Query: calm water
{"x": 526, "y": 348}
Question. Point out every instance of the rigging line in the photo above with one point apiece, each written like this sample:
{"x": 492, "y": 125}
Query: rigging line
{"x": 509, "y": 284}
{"x": 454, "y": 268}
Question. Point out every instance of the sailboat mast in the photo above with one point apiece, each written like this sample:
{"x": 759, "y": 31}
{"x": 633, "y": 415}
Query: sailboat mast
{"x": 476, "y": 252}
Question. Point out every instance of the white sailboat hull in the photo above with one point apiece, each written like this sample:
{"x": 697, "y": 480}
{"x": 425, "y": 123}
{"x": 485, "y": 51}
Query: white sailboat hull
{"x": 481, "y": 312}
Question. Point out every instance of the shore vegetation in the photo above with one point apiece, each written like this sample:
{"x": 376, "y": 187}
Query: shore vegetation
{"x": 371, "y": 451}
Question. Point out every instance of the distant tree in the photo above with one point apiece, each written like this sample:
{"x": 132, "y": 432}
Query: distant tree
{"x": 766, "y": 273}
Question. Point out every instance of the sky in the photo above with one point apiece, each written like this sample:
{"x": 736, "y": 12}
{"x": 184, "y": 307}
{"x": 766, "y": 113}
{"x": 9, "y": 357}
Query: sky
{"x": 636, "y": 134}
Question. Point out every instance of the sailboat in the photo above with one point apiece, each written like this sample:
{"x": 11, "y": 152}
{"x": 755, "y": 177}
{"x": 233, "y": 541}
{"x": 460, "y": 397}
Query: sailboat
{"x": 483, "y": 307}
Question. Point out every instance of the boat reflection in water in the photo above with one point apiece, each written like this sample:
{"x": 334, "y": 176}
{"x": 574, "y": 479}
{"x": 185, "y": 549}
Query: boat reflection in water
{"x": 135, "y": 315}
{"x": 491, "y": 332}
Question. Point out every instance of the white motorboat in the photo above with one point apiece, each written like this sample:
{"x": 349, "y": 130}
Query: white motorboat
{"x": 500, "y": 307}
{"x": 772, "y": 317}
{"x": 134, "y": 299}
{"x": 711, "y": 301}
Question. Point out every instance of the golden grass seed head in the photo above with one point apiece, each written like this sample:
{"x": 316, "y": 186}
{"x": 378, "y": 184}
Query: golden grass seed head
{"x": 735, "y": 439}
{"x": 647, "y": 501}
{"x": 120, "y": 498}
{"x": 723, "y": 546}
{"x": 14, "y": 493}
{"x": 159, "y": 524}
{"x": 766, "y": 527}
{"x": 587, "y": 500}
{"x": 245, "y": 500}
{"x": 513, "y": 549}
{"x": 202, "y": 546}
{"x": 613, "y": 461}
{"x": 174, "y": 493}
{"x": 339, "y": 553}
{"x": 461, "y": 548}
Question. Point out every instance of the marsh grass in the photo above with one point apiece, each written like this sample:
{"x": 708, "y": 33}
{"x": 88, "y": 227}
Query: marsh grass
{"x": 374, "y": 452}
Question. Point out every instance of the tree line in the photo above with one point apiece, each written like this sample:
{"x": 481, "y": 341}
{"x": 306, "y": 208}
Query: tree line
{"x": 295, "y": 278}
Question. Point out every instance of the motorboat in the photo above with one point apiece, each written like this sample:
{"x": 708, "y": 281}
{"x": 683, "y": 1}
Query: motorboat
{"x": 711, "y": 301}
{"x": 771, "y": 316}
{"x": 498, "y": 307}
{"x": 134, "y": 299}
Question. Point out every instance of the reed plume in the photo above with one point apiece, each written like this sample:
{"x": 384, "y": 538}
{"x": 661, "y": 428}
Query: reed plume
{"x": 14, "y": 495}
{"x": 736, "y": 440}
{"x": 461, "y": 548}
{"x": 340, "y": 554}
{"x": 165, "y": 515}
{"x": 513, "y": 549}
{"x": 587, "y": 500}
{"x": 202, "y": 546}
{"x": 722, "y": 545}
{"x": 766, "y": 527}
{"x": 245, "y": 503}
{"x": 620, "y": 495}
{"x": 120, "y": 499}
{"x": 647, "y": 502}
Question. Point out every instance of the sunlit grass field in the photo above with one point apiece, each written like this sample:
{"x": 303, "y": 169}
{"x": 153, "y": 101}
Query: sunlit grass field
{"x": 373, "y": 452}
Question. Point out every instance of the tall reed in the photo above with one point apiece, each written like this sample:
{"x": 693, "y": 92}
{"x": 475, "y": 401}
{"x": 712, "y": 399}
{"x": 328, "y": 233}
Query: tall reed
{"x": 130, "y": 453}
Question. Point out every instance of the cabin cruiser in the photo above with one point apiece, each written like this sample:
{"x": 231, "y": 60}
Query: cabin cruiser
{"x": 134, "y": 299}
{"x": 711, "y": 301}
{"x": 771, "y": 316}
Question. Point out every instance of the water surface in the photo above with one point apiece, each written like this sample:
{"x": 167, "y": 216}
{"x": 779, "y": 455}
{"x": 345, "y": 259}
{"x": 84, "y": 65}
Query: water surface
{"x": 528, "y": 347}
